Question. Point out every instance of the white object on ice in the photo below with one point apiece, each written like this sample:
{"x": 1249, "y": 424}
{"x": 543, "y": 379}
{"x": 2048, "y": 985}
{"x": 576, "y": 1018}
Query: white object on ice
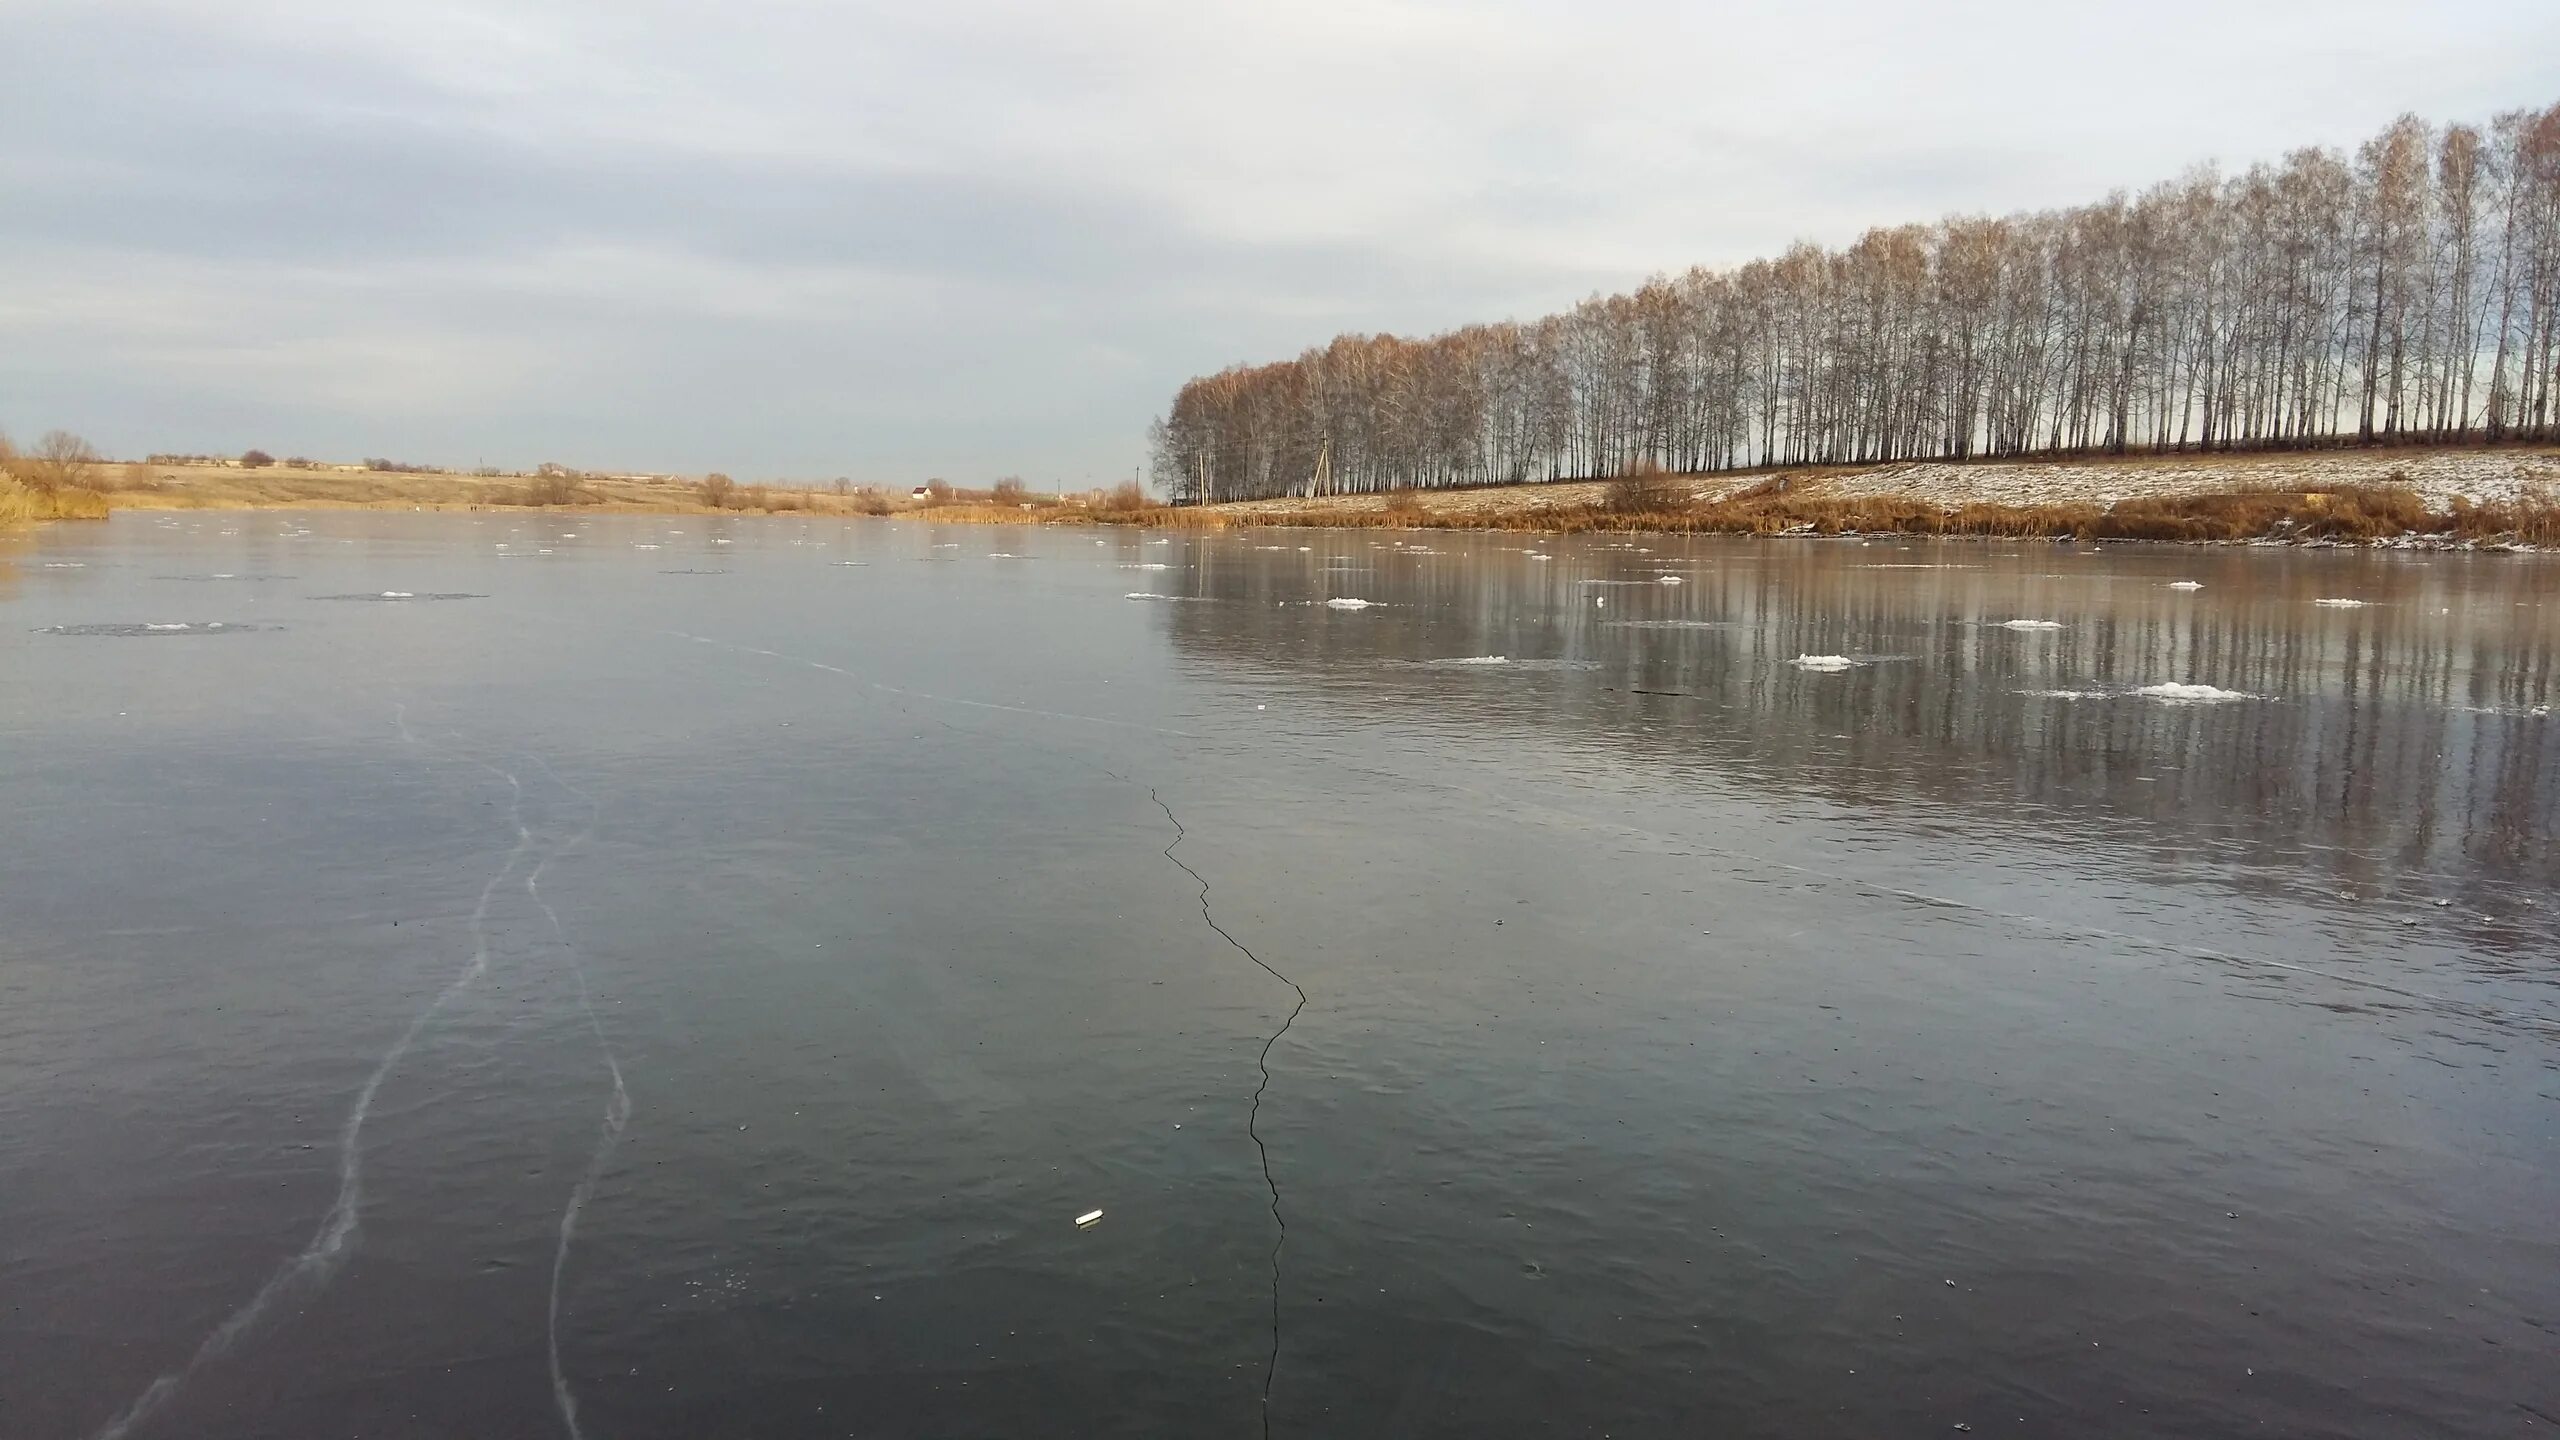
{"x": 2341, "y": 604}
{"x": 1480, "y": 660}
{"x": 1822, "y": 662}
{"x": 399, "y": 595}
{"x": 1667, "y": 580}
{"x": 2030, "y": 624}
{"x": 2186, "y": 584}
{"x": 2193, "y": 694}
{"x": 1087, "y": 1218}
{"x": 1339, "y": 603}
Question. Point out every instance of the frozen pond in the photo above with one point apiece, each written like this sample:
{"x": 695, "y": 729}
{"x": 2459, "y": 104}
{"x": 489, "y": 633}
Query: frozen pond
{"x": 519, "y": 974}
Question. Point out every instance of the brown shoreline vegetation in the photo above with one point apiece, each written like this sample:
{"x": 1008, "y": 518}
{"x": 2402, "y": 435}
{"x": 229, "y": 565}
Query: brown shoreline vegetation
{"x": 2288, "y": 500}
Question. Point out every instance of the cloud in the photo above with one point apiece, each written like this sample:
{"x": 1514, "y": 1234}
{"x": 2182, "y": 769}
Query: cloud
{"x": 796, "y": 238}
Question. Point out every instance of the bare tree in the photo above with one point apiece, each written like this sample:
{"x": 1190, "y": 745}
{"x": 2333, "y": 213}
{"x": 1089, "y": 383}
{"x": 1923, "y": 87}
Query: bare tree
{"x": 60, "y": 461}
{"x": 2300, "y": 302}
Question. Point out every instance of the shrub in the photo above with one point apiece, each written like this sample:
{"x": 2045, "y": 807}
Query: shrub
{"x": 1406, "y": 502}
{"x": 255, "y": 459}
{"x": 1646, "y": 489}
{"x": 1008, "y": 491}
{"x": 553, "y": 488}
{"x": 718, "y": 490}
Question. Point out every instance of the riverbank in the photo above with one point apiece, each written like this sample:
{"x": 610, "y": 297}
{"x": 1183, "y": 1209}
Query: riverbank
{"x": 200, "y": 486}
{"x": 2473, "y": 496}
{"x": 2506, "y": 497}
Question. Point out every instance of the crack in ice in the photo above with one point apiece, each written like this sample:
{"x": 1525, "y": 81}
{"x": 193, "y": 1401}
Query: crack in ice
{"x": 617, "y": 1110}
{"x": 1253, "y": 1118}
{"x": 329, "y": 1246}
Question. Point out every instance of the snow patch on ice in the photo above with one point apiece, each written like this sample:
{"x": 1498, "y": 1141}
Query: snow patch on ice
{"x": 1826, "y": 663}
{"x": 2030, "y": 624}
{"x": 1342, "y": 603}
{"x": 2186, "y": 584}
{"x": 2336, "y": 604}
{"x": 2177, "y": 694}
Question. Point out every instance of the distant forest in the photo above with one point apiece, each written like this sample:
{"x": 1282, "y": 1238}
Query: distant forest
{"x": 2407, "y": 293}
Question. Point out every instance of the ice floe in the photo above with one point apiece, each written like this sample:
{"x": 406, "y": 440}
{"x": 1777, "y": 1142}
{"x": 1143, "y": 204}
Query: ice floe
{"x": 173, "y": 627}
{"x": 2177, "y": 694}
{"x": 1342, "y": 603}
{"x": 2030, "y": 624}
{"x": 1822, "y": 662}
{"x": 2338, "y": 604}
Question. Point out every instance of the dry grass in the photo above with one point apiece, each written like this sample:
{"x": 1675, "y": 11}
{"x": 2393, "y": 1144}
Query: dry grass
{"x": 25, "y": 504}
{"x": 193, "y": 486}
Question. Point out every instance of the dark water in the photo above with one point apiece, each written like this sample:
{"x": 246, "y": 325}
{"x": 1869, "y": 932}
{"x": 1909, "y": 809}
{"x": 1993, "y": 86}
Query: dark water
{"x": 1693, "y": 1043}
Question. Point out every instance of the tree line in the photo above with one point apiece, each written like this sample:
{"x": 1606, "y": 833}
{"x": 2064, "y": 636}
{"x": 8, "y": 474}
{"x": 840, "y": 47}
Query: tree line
{"x": 2408, "y": 292}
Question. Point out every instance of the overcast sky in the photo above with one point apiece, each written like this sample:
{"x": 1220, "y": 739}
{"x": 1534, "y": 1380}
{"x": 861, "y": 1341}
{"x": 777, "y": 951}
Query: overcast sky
{"x": 893, "y": 240}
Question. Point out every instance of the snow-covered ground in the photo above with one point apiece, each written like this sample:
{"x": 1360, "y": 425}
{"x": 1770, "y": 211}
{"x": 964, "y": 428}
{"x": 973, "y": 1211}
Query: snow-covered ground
{"x": 2481, "y": 476}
